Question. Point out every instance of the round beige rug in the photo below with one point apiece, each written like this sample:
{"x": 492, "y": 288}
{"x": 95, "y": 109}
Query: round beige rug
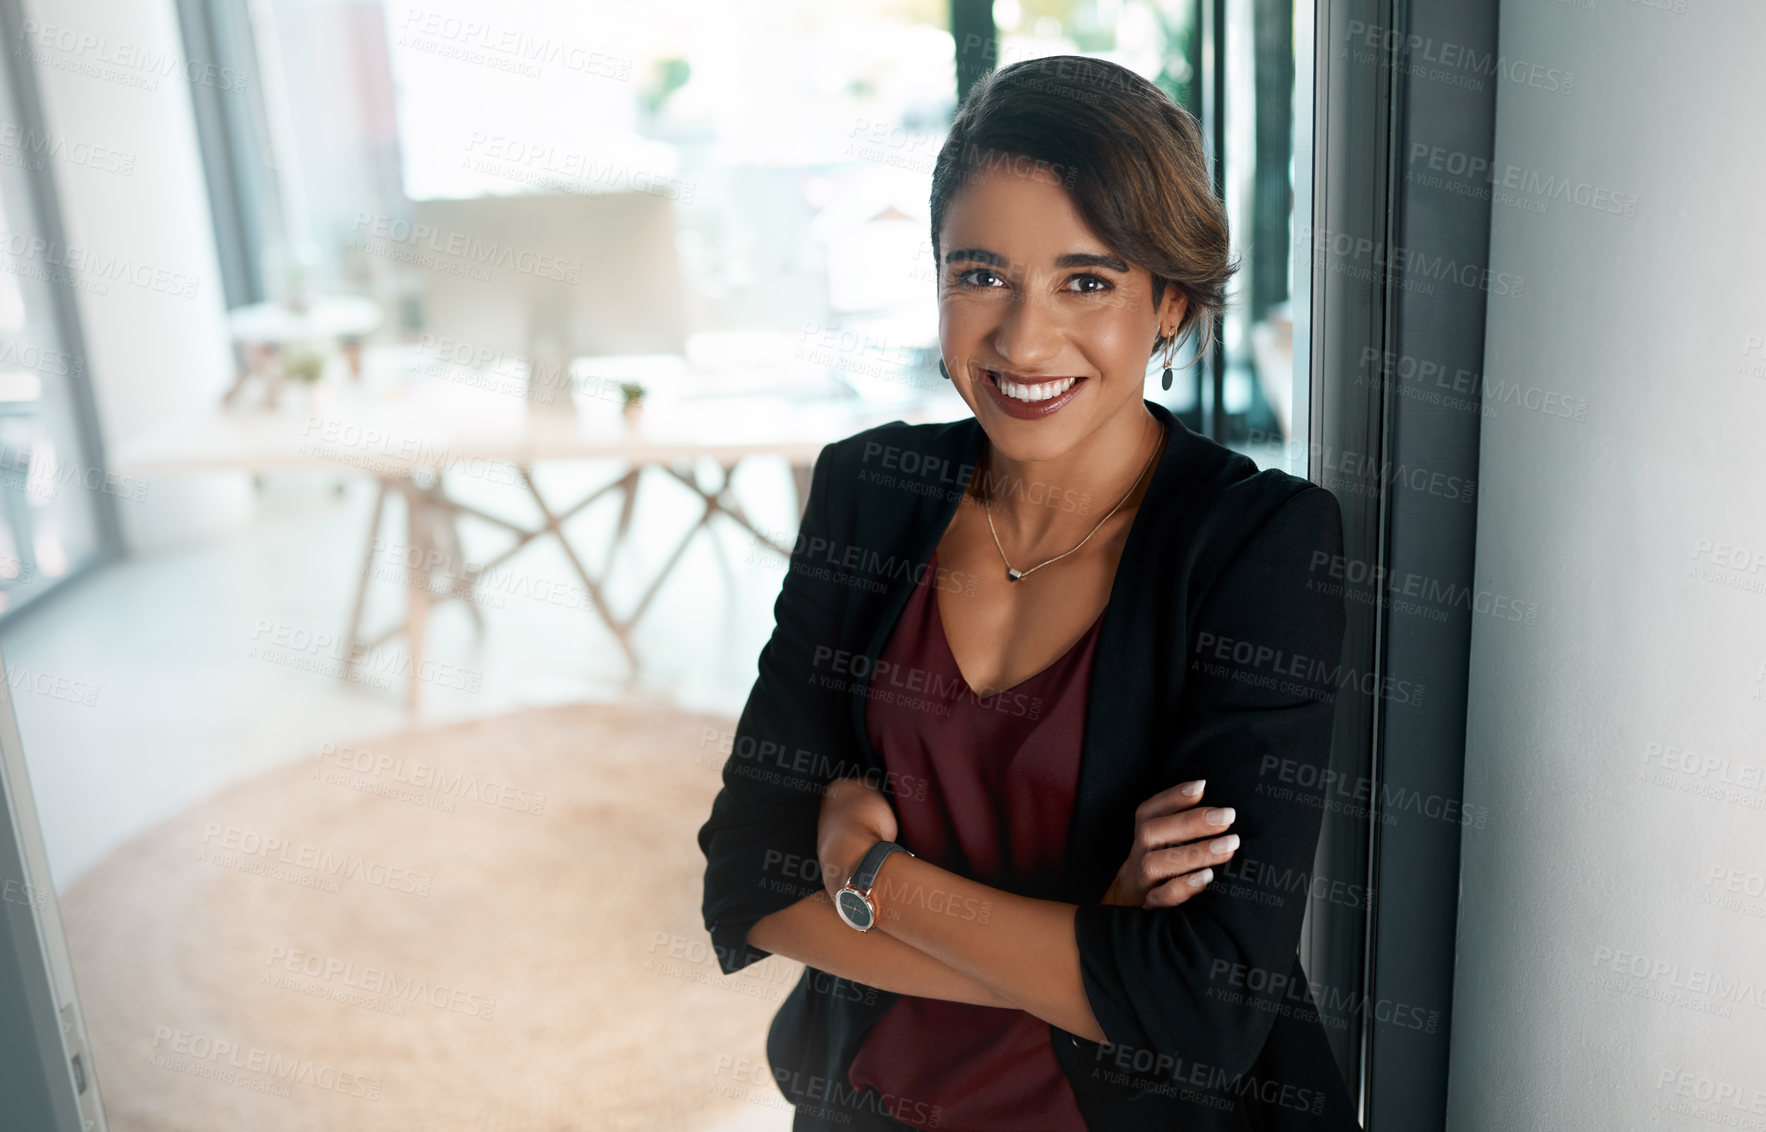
{"x": 486, "y": 926}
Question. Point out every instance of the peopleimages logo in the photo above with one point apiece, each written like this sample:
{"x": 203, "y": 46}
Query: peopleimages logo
{"x": 1472, "y": 170}
{"x": 1198, "y": 1081}
{"x": 1413, "y": 265}
{"x": 1305, "y": 782}
{"x": 1280, "y": 992}
{"x": 1443, "y": 60}
{"x": 94, "y": 270}
{"x": 202, "y": 1055}
{"x": 1249, "y": 661}
{"x": 1461, "y": 388}
{"x": 1719, "y": 986}
{"x": 231, "y": 845}
{"x": 368, "y": 982}
{"x": 130, "y": 64}
{"x": 1408, "y": 591}
{"x": 461, "y": 247}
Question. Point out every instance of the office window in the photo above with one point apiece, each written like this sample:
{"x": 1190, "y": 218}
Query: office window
{"x": 53, "y": 486}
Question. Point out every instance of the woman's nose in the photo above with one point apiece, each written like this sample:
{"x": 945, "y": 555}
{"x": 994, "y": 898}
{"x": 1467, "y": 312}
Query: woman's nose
{"x": 1028, "y": 334}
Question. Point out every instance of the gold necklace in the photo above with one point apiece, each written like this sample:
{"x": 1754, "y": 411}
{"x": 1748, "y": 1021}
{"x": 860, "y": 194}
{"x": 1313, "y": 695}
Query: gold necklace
{"x": 1012, "y": 574}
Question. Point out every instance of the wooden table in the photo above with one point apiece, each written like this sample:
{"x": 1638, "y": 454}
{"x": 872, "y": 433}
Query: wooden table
{"x": 411, "y": 437}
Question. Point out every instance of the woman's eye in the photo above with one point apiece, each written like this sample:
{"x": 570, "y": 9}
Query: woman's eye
{"x": 986, "y": 278}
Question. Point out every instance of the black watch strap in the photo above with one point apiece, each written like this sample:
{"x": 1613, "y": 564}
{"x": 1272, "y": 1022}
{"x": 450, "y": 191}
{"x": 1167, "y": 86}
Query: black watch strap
{"x": 865, "y": 876}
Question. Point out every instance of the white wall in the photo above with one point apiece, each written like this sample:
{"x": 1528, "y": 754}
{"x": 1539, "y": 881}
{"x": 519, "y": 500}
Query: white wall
{"x": 1605, "y": 971}
{"x": 111, "y": 74}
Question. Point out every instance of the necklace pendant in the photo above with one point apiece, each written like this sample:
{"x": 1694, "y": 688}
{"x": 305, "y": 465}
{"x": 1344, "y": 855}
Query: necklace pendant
{"x": 1013, "y": 575}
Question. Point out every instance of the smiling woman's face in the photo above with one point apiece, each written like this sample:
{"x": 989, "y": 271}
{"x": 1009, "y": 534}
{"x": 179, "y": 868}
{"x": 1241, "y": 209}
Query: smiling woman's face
{"x": 1045, "y": 330}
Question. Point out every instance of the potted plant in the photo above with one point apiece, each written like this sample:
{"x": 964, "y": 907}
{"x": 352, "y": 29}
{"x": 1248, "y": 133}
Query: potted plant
{"x": 305, "y": 367}
{"x": 631, "y": 395}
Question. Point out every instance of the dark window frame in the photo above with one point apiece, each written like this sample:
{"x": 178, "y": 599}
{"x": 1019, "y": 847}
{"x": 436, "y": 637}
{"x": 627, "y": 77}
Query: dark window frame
{"x": 1369, "y": 108}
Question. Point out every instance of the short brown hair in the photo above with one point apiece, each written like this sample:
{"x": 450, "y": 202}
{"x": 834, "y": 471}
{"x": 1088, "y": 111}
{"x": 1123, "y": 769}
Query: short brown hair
{"x": 1131, "y": 158}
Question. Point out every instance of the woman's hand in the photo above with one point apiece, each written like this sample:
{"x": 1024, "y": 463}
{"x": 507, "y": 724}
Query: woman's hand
{"x": 855, "y": 816}
{"x": 1175, "y": 847}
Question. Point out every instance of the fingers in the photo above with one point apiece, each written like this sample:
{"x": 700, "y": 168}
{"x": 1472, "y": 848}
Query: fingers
{"x": 1163, "y": 864}
{"x": 1178, "y": 889}
{"x": 1171, "y": 876}
{"x": 1176, "y": 841}
{"x": 1188, "y": 825}
{"x": 1175, "y": 798}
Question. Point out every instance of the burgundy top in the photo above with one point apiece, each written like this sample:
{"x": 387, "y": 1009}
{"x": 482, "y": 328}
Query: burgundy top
{"x": 999, "y": 775}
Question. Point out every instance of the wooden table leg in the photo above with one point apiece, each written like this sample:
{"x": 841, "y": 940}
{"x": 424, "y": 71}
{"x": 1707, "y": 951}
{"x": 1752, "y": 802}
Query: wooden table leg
{"x": 353, "y": 635}
{"x": 419, "y": 541}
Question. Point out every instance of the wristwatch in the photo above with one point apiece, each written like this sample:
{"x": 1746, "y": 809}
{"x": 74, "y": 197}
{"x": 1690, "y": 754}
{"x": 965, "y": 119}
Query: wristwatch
{"x": 853, "y": 901}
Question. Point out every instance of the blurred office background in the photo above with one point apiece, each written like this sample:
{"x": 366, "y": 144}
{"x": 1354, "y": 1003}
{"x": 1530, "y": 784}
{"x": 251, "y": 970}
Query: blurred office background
{"x": 329, "y": 530}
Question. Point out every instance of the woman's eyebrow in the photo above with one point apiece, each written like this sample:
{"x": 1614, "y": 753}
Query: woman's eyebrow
{"x": 1071, "y": 259}
{"x": 1092, "y": 259}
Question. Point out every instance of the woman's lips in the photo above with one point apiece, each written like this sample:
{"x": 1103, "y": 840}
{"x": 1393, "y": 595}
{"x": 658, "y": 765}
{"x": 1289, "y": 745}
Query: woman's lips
{"x": 1050, "y": 393}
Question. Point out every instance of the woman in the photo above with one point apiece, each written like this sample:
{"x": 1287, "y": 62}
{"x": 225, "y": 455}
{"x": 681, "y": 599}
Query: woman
{"x": 1081, "y": 704}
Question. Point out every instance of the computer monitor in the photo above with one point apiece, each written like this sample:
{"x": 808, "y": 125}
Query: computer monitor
{"x": 546, "y": 277}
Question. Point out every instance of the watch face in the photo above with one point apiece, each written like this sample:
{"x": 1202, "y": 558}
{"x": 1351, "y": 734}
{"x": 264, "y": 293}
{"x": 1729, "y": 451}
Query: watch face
{"x": 854, "y": 909}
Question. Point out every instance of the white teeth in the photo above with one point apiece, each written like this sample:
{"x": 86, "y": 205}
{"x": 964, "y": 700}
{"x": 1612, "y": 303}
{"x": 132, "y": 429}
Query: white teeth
{"x": 1041, "y": 391}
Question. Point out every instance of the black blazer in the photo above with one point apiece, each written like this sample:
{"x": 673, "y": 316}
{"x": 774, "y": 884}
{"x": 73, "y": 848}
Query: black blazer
{"x": 1218, "y": 658}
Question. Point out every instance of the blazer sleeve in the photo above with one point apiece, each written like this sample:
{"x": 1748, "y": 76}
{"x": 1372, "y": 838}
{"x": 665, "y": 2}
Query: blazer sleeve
{"x": 1254, "y": 719}
{"x": 790, "y": 741}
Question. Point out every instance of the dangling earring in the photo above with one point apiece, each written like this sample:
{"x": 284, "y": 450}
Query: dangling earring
{"x": 942, "y": 370}
{"x": 1171, "y": 348}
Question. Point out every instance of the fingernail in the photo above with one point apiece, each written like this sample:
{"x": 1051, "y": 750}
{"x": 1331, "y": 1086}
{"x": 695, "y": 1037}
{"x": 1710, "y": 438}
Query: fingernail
{"x": 1225, "y": 844}
{"x": 1220, "y": 815}
{"x": 1197, "y": 880}
{"x": 1192, "y": 788}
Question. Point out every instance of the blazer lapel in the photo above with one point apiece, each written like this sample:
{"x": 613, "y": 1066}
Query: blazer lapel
{"x": 922, "y": 521}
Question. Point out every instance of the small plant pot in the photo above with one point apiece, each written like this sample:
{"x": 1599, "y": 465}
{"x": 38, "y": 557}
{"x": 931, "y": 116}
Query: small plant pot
{"x": 632, "y": 400}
